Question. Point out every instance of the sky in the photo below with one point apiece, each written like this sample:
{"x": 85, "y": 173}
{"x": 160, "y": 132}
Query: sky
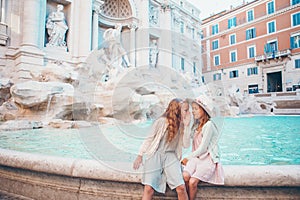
{"x": 208, "y": 7}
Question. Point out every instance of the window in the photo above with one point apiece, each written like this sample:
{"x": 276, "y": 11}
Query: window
{"x": 270, "y": 7}
{"x": 251, "y": 52}
{"x": 232, "y": 39}
{"x": 233, "y": 56}
{"x": 250, "y": 33}
{"x": 234, "y": 74}
{"x": 270, "y": 47}
{"x": 250, "y": 15}
{"x": 182, "y": 64}
{"x": 252, "y": 71}
{"x": 193, "y": 33}
{"x": 295, "y": 41}
{"x": 296, "y": 19}
{"x": 216, "y": 60}
{"x": 181, "y": 27}
{"x": 215, "y": 29}
{"x": 294, "y": 2}
{"x": 232, "y": 22}
{"x": 271, "y": 27}
{"x": 194, "y": 68}
{"x": 253, "y": 89}
{"x": 215, "y": 44}
{"x": 217, "y": 76}
{"x": 297, "y": 63}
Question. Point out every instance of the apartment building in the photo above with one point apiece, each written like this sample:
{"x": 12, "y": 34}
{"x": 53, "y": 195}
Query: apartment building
{"x": 255, "y": 46}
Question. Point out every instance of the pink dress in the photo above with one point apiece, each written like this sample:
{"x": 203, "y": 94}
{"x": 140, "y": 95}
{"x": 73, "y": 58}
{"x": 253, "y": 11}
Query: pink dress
{"x": 203, "y": 167}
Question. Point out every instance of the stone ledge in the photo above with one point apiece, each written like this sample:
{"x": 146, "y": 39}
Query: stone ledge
{"x": 271, "y": 175}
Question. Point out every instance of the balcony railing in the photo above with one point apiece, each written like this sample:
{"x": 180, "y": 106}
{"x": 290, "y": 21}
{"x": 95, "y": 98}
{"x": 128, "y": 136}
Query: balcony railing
{"x": 273, "y": 55}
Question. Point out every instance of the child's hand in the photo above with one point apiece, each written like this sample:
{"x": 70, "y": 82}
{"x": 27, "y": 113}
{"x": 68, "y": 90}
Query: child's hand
{"x": 185, "y": 114}
{"x": 137, "y": 162}
{"x": 184, "y": 161}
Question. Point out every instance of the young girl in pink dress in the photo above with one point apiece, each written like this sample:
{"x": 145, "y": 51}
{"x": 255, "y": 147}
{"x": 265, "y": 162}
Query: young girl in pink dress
{"x": 203, "y": 164}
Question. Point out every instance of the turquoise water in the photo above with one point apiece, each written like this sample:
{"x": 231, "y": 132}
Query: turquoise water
{"x": 259, "y": 140}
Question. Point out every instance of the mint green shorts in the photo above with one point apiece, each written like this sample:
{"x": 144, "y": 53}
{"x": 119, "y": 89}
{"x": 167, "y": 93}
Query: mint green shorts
{"x": 162, "y": 168}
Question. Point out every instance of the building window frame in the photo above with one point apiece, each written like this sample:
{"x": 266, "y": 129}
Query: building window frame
{"x": 271, "y": 47}
{"x": 233, "y": 56}
{"x": 215, "y": 44}
{"x": 297, "y": 63}
{"x": 232, "y": 22}
{"x": 273, "y": 28}
{"x": 232, "y": 39}
{"x": 294, "y": 2}
{"x": 250, "y": 17}
{"x": 234, "y": 74}
{"x": 252, "y": 71}
{"x": 297, "y": 18}
{"x": 181, "y": 27}
{"x": 215, "y": 29}
{"x": 269, "y": 9}
{"x": 217, "y": 60}
{"x": 217, "y": 76}
{"x": 250, "y": 33}
{"x": 182, "y": 67}
{"x": 194, "y": 68}
{"x": 251, "y": 51}
{"x": 295, "y": 41}
{"x": 252, "y": 89}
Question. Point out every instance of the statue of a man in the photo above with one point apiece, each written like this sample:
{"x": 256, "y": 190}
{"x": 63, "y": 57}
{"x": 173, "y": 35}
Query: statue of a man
{"x": 112, "y": 37}
{"x": 57, "y": 27}
{"x": 153, "y": 57}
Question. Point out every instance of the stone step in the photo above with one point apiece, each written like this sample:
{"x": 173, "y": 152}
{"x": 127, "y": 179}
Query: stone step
{"x": 291, "y": 111}
{"x": 10, "y": 196}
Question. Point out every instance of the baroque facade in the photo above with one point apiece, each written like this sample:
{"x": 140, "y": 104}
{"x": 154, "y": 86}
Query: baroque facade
{"x": 34, "y": 33}
{"x": 254, "y": 46}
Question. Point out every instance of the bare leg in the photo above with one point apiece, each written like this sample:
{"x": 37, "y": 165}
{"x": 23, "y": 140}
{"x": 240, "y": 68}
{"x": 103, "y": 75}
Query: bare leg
{"x": 186, "y": 178}
{"x": 193, "y": 185}
{"x": 181, "y": 192}
{"x": 148, "y": 192}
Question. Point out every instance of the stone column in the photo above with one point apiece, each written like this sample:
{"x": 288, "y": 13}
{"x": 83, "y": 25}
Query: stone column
{"x": 30, "y": 23}
{"x": 29, "y": 57}
{"x": 3, "y": 14}
{"x": 3, "y": 26}
{"x": 133, "y": 27}
{"x": 96, "y": 12}
{"x": 80, "y": 31}
{"x": 165, "y": 40}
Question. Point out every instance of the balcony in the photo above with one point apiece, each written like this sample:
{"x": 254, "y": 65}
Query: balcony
{"x": 273, "y": 55}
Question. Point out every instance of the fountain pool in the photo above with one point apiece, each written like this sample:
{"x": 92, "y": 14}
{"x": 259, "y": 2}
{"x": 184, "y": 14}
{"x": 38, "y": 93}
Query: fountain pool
{"x": 260, "y": 156}
{"x": 259, "y": 140}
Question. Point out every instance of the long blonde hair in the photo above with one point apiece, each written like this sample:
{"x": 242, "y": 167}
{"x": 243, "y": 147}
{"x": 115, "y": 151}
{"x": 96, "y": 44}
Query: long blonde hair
{"x": 173, "y": 115}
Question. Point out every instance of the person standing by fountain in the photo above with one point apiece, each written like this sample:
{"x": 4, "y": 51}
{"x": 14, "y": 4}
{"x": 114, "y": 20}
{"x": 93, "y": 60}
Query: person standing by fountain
{"x": 163, "y": 149}
{"x": 203, "y": 164}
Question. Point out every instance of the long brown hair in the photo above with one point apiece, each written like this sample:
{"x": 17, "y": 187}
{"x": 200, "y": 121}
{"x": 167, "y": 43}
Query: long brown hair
{"x": 198, "y": 124}
{"x": 173, "y": 115}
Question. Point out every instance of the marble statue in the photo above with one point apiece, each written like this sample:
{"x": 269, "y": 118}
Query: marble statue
{"x": 118, "y": 55}
{"x": 57, "y": 27}
{"x": 153, "y": 57}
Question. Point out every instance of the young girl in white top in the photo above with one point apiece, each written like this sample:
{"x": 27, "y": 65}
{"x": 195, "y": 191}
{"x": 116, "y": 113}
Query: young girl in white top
{"x": 203, "y": 164}
{"x": 163, "y": 149}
